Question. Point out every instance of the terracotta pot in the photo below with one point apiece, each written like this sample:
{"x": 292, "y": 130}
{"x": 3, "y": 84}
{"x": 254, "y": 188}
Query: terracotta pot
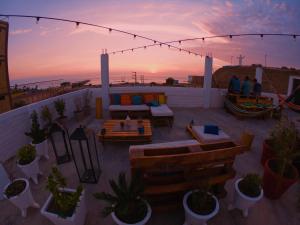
{"x": 267, "y": 152}
{"x": 275, "y": 185}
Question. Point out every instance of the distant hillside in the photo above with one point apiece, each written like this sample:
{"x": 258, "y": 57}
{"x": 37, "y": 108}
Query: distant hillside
{"x": 276, "y": 77}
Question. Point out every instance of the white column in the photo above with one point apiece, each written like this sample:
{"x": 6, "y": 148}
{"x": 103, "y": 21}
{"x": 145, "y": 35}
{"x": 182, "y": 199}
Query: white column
{"x": 207, "y": 81}
{"x": 105, "y": 80}
{"x": 258, "y": 74}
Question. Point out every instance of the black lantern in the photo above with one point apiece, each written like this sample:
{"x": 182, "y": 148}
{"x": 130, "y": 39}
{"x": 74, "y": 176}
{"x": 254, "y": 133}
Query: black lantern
{"x": 59, "y": 138}
{"x": 85, "y": 154}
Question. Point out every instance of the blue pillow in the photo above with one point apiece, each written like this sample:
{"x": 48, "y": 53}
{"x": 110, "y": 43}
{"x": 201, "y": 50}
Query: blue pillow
{"x": 211, "y": 129}
{"x": 116, "y": 99}
{"x": 154, "y": 103}
{"x": 136, "y": 100}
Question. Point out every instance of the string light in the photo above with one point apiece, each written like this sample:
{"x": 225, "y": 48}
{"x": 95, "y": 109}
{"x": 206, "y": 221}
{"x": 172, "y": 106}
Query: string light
{"x": 147, "y": 38}
{"x": 37, "y": 20}
{"x": 134, "y": 36}
{"x": 262, "y": 36}
{"x": 132, "y": 49}
{"x": 77, "y": 24}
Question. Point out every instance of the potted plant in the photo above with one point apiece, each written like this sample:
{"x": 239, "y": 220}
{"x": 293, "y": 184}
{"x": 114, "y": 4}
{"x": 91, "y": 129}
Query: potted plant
{"x": 46, "y": 116}
{"x": 279, "y": 172}
{"x": 269, "y": 145}
{"x": 38, "y": 136}
{"x": 18, "y": 193}
{"x": 60, "y": 107}
{"x": 87, "y": 96}
{"x": 126, "y": 205}
{"x": 248, "y": 191}
{"x": 64, "y": 206}
{"x": 79, "y": 113}
{"x": 199, "y": 206}
{"x": 28, "y": 162}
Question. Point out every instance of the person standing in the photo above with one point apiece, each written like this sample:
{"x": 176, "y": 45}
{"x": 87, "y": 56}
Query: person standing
{"x": 256, "y": 88}
{"x": 246, "y": 87}
{"x": 234, "y": 85}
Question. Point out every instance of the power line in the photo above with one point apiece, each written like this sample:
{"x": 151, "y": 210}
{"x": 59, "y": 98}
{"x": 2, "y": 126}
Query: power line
{"x": 78, "y": 23}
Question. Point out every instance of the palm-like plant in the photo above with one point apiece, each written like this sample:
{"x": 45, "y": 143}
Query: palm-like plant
{"x": 126, "y": 202}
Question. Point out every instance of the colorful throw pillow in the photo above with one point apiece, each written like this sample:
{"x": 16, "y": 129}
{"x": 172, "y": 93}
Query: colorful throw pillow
{"x": 162, "y": 99}
{"x": 116, "y": 99}
{"x": 125, "y": 100}
{"x": 148, "y": 98}
{"x": 137, "y": 100}
{"x": 211, "y": 129}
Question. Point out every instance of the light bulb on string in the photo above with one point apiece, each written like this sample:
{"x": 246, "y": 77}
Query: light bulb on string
{"x": 77, "y": 24}
{"x": 134, "y": 36}
{"x": 160, "y": 44}
{"x": 169, "y": 46}
{"x": 230, "y": 36}
{"x": 37, "y": 20}
{"x": 180, "y": 49}
{"x": 145, "y": 47}
{"x": 294, "y": 36}
{"x": 109, "y": 30}
{"x": 179, "y": 42}
{"x": 132, "y": 49}
{"x": 154, "y": 42}
{"x": 262, "y": 36}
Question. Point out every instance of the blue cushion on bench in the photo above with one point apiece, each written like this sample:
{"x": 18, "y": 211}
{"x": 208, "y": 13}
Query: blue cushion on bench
{"x": 116, "y": 99}
{"x": 211, "y": 129}
{"x": 137, "y": 100}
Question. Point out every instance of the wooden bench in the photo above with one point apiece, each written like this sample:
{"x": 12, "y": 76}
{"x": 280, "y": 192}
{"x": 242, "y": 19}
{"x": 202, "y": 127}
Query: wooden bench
{"x": 168, "y": 173}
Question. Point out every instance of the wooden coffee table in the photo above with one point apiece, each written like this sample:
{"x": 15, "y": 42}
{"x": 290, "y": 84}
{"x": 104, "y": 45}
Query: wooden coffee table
{"x": 114, "y": 133}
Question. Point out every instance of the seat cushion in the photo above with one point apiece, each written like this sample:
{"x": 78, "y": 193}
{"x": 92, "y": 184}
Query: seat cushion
{"x": 162, "y": 110}
{"x": 148, "y": 98}
{"x": 128, "y": 107}
{"x": 125, "y": 100}
{"x": 210, "y": 138}
{"x": 162, "y": 99}
{"x": 116, "y": 99}
{"x": 137, "y": 100}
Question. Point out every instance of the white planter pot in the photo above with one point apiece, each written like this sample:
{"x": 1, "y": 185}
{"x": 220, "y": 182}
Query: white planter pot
{"x": 78, "y": 217}
{"x": 42, "y": 149}
{"x": 24, "y": 199}
{"x": 192, "y": 218}
{"x": 31, "y": 170}
{"x": 144, "y": 221}
{"x": 242, "y": 201}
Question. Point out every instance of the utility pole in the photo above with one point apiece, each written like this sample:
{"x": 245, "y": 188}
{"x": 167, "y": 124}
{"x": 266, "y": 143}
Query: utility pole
{"x": 134, "y": 76}
{"x": 142, "y": 79}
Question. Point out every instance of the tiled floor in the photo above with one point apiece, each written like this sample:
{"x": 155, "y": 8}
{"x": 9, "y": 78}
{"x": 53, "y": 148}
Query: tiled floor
{"x": 115, "y": 159}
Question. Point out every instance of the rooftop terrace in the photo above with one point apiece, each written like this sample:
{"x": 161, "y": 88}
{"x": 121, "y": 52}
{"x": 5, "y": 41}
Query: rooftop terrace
{"x": 115, "y": 158}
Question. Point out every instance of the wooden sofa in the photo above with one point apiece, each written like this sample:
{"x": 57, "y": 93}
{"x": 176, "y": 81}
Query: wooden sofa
{"x": 171, "y": 169}
{"x": 159, "y": 113}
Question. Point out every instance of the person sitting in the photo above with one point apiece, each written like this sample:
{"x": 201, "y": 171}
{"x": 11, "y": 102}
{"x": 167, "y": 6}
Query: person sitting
{"x": 256, "y": 88}
{"x": 246, "y": 87}
{"x": 234, "y": 85}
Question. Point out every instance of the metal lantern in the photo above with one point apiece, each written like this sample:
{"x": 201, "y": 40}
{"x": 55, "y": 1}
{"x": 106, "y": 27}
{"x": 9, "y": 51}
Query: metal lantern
{"x": 59, "y": 139}
{"x": 85, "y": 154}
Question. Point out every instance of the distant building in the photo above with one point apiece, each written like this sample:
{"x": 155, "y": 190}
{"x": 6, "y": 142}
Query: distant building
{"x": 195, "y": 80}
{"x": 5, "y": 96}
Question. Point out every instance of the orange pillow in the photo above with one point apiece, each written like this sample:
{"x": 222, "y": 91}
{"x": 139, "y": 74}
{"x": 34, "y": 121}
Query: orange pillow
{"x": 148, "y": 98}
{"x": 125, "y": 100}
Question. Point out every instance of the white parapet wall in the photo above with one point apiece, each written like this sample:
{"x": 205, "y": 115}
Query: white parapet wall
{"x": 15, "y": 123}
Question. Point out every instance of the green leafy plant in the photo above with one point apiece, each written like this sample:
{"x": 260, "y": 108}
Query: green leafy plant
{"x": 64, "y": 203}
{"x": 285, "y": 144}
{"x": 26, "y": 154}
{"x": 15, "y": 188}
{"x": 126, "y": 202}
{"x": 37, "y": 134}
{"x": 250, "y": 185}
{"x": 46, "y": 115}
{"x": 60, "y": 105}
{"x": 201, "y": 202}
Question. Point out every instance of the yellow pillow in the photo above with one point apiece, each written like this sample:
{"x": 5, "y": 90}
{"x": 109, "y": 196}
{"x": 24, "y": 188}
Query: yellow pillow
{"x": 162, "y": 99}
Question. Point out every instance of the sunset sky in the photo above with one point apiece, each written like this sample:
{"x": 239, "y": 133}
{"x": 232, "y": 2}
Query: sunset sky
{"x": 54, "y": 49}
